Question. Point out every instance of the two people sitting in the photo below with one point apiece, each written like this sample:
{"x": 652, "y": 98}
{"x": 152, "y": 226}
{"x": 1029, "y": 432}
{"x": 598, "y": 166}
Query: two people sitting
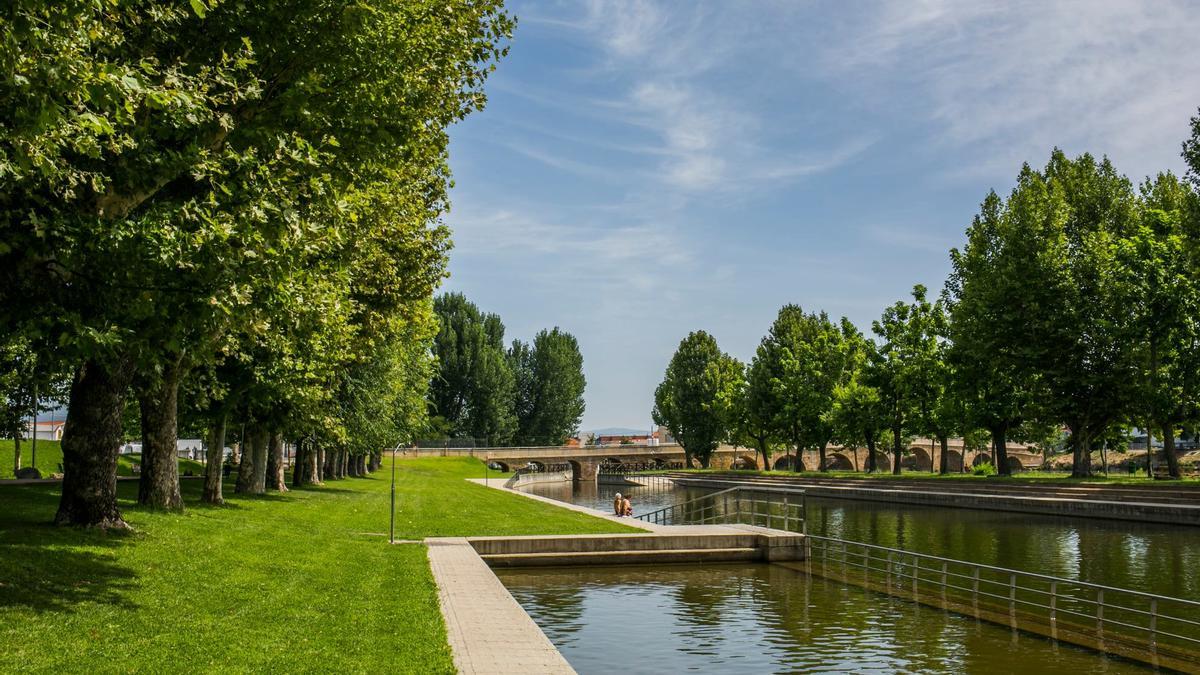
{"x": 621, "y": 506}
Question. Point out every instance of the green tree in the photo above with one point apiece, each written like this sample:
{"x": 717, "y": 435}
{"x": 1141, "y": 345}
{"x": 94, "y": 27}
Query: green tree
{"x": 1084, "y": 335}
{"x": 890, "y": 373}
{"x": 995, "y": 281}
{"x": 797, "y": 365}
{"x": 169, "y": 144}
{"x": 1159, "y": 277}
{"x": 549, "y": 387}
{"x": 858, "y": 417}
{"x": 698, "y": 398}
{"x": 473, "y": 389}
{"x": 756, "y": 417}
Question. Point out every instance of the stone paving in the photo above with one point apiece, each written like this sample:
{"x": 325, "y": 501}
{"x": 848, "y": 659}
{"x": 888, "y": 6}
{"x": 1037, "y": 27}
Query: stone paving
{"x": 487, "y": 630}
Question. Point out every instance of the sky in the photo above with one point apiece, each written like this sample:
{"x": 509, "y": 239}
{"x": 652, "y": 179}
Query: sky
{"x": 646, "y": 169}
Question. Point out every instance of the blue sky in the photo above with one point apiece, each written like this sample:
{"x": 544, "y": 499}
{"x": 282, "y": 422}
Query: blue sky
{"x": 644, "y": 169}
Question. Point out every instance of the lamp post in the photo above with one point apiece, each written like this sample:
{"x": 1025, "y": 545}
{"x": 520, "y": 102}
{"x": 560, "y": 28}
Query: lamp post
{"x": 392, "y": 515}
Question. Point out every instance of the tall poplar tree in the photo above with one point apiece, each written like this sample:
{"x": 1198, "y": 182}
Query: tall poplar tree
{"x": 698, "y": 398}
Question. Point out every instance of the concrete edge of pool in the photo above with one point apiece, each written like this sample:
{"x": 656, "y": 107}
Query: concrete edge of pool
{"x": 488, "y": 630}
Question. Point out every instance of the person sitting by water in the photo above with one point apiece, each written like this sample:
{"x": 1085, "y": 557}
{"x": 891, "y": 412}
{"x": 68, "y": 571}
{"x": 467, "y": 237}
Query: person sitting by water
{"x": 626, "y": 507}
{"x": 618, "y": 505}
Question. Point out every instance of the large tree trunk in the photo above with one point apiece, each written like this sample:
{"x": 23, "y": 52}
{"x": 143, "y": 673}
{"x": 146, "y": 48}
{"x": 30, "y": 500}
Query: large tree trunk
{"x": 158, "y": 486}
{"x": 352, "y": 466}
{"x": 821, "y": 455}
{"x": 90, "y": 442}
{"x": 300, "y": 464}
{"x": 944, "y": 460}
{"x": 897, "y": 434}
{"x": 798, "y": 457}
{"x": 1000, "y": 450}
{"x": 17, "y": 453}
{"x": 214, "y": 462}
{"x": 276, "y": 479}
{"x": 1081, "y": 460}
{"x": 245, "y": 479}
{"x": 363, "y": 470}
{"x": 1168, "y": 436}
{"x": 260, "y": 460}
{"x": 872, "y": 463}
{"x": 327, "y": 456}
{"x": 314, "y": 463}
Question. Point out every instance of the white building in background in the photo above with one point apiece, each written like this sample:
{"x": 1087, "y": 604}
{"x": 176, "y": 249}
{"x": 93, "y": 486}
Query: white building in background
{"x": 49, "y": 430}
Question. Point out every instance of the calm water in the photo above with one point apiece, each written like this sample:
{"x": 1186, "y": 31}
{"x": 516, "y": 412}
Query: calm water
{"x": 1160, "y": 559}
{"x": 759, "y": 618}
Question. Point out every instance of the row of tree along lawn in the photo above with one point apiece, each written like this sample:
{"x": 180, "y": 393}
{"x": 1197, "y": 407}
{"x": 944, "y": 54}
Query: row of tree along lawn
{"x": 1075, "y": 303}
{"x": 230, "y": 213}
{"x": 527, "y": 394}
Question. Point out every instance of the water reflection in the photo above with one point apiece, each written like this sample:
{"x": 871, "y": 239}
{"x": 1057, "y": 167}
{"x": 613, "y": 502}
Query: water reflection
{"x": 1147, "y": 557}
{"x": 757, "y": 618}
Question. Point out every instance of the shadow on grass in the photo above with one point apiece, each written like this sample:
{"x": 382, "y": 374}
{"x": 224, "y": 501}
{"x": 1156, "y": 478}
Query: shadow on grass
{"x": 47, "y": 568}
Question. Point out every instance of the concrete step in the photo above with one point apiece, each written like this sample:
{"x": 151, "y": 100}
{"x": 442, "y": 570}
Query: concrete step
{"x": 659, "y": 557}
{"x": 1084, "y": 492}
{"x": 612, "y": 542}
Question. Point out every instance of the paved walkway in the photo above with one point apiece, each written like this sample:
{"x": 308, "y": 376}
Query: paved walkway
{"x": 487, "y": 630}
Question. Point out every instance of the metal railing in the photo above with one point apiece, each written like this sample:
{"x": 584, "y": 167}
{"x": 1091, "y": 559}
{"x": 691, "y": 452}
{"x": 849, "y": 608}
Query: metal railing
{"x": 1148, "y": 627}
{"x": 608, "y": 468}
{"x": 637, "y": 480}
{"x": 776, "y": 508}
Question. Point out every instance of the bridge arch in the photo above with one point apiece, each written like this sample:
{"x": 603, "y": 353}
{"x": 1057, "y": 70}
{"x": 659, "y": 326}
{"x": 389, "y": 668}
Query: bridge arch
{"x": 660, "y": 463}
{"x": 838, "y": 462}
{"x": 981, "y": 458}
{"x": 918, "y": 459}
{"x": 954, "y": 461}
{"x": 744, "y": 463}
{"x": 497, "y": 465}
{"x": 612, "y": 464}
{"x": 1014, "y": 465}
{"x": 785, "y": 463}
{"x": 576, "y": 470}
{"x": 883, "y": 462}
{"x": 536, "y": 466}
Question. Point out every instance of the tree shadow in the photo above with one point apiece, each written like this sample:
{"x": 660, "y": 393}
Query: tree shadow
{"x": 47, "y": 568}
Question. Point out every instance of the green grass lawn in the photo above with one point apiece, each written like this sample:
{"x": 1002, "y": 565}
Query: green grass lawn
{"x": 49, "y": 456}
{"x": 303, "y": 581}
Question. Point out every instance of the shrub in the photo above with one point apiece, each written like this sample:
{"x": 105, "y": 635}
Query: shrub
{"x": 984, "y": 469}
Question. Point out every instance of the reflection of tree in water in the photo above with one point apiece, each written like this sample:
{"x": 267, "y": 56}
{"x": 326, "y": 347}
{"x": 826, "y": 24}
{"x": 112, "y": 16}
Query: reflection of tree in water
{"x": 702, "y": 602}
{"x": 551, "y": 598}
{"x": 560, "y": 606}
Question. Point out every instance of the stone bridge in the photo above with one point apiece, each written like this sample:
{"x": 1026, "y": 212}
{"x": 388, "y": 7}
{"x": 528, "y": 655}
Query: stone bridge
{"x": 922, "y": 455}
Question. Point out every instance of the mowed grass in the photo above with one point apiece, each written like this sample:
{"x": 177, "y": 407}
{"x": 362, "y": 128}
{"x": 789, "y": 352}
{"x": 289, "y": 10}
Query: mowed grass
{"x": 303, "y": 581}
{"x": 49, "y": 457}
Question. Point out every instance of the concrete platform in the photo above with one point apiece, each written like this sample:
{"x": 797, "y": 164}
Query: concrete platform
{"x": 487, "y": 630}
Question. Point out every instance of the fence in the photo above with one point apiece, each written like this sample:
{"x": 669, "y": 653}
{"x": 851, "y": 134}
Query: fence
{"x": 1155, "y": 629}
{"x": 777, "y": 508}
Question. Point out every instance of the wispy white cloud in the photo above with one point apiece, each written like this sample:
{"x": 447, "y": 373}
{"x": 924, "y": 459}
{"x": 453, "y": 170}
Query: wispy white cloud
{"x": 1008, "y": 81}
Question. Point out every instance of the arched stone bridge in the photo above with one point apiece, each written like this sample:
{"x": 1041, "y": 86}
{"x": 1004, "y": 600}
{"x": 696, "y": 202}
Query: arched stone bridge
{"x": 923, "y": 455}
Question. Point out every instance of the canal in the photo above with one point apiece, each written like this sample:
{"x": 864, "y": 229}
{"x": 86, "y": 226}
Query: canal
{"x": 760, "y": 618}
{"x": 1152, "y": 558}
{"x": 753, "y": 618}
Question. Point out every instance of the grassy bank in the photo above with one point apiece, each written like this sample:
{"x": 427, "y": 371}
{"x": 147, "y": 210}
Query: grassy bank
{"x": 49, "y": 457}
{"x": 297, "y": 582}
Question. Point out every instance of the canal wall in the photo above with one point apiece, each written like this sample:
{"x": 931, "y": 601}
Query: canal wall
{"x": 1045, "y": 500}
